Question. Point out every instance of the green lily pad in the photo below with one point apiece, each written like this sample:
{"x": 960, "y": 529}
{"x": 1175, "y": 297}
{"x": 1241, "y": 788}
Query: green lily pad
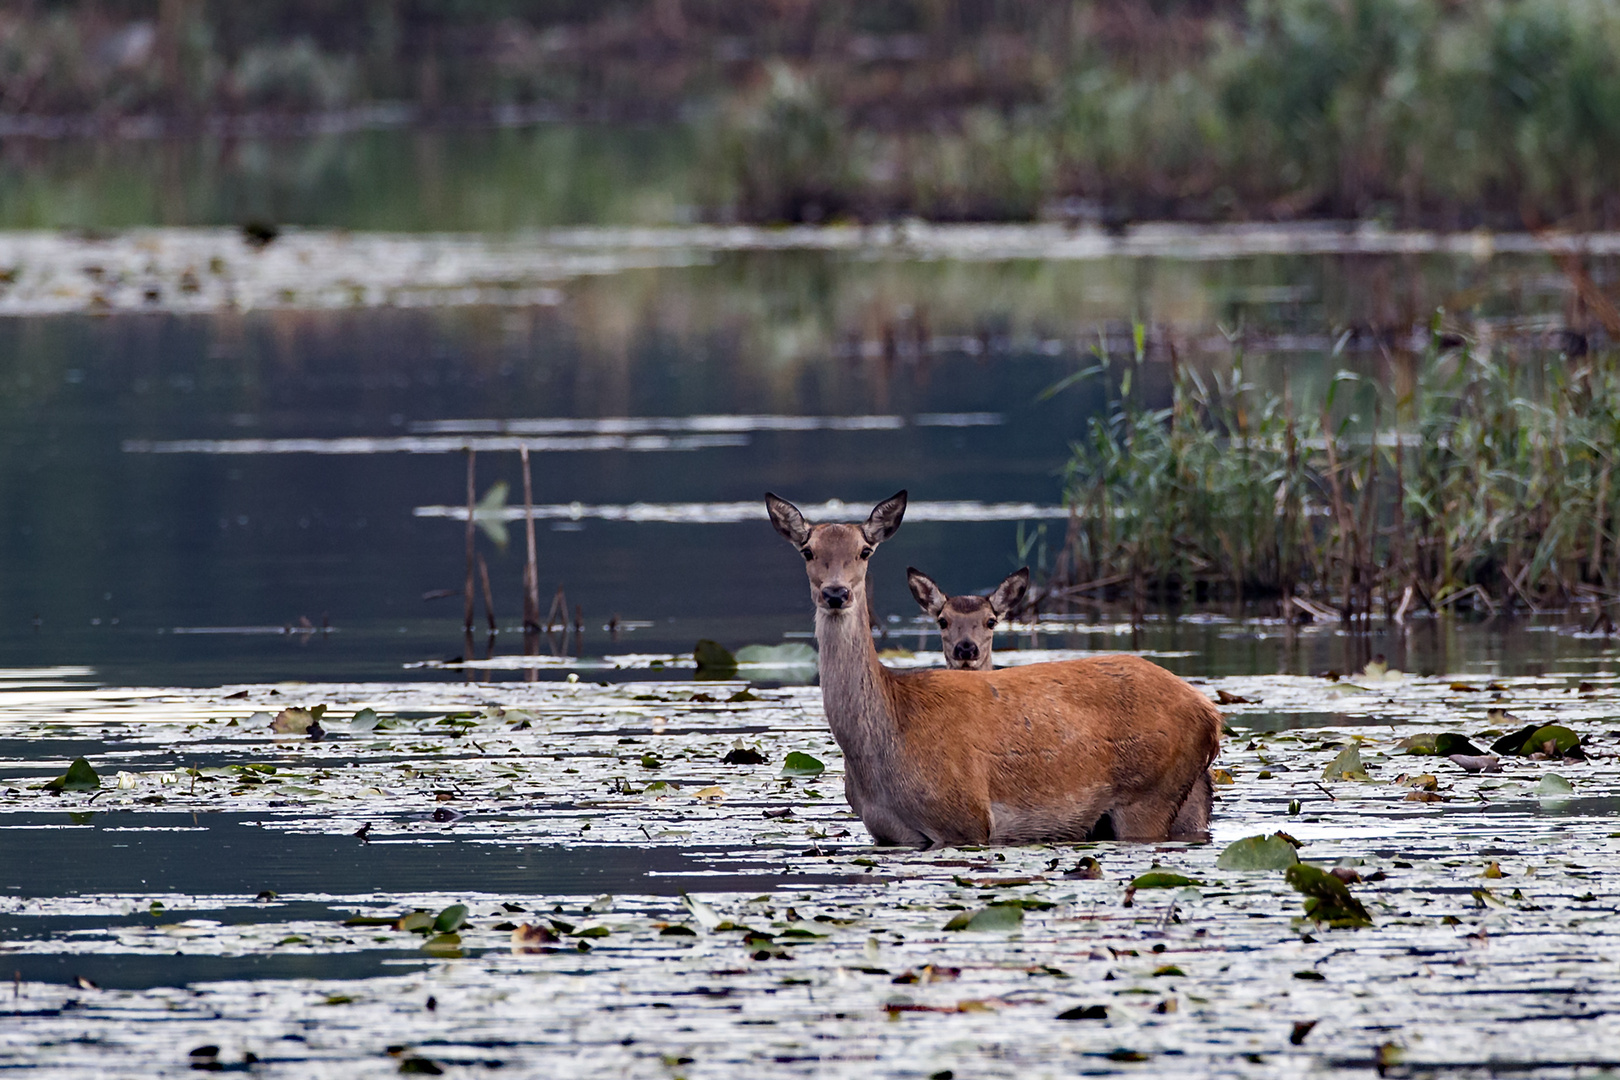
{"x": 417, "y": 922}
{"x": 1421, "y": 743}
{"x": 451, "y": 919}
{"x": 997, "y": 918}
{"x": 1257, "y": 853}
{"x": 1327, "y": 899}
{"x": 447, "y": 945}
{"x": 1554, "y": 740}
{"x": 79, "y": 777}
{"x": 1450, "y": 742}
{"x": 1160, "y": 879}
{"x": 1553, "y": 786}
{"x": 1347, "y": 765}
{"x": 714, "y": 660}
{"x": 798, "y": 764}
{"x": 788, "y": 654}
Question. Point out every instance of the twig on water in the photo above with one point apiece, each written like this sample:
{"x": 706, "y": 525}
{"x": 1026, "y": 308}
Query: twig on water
{"x": 472, "y": 502}
{"x": 531, "y": 567}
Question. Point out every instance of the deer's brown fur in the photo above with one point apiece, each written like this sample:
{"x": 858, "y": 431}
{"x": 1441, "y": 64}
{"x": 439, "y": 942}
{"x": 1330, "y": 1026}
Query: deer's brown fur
{"x": 1036, "y": 753}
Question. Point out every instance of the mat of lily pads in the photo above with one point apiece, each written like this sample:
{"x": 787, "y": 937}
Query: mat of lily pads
{"x": 663, "y": 880}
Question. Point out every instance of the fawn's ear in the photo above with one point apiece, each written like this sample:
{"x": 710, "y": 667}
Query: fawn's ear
{"x": 1010, "y": 593}
{"x": 884, "y": 521}
{"x": 929, "y": 596}
{"x": 788, "y": 521}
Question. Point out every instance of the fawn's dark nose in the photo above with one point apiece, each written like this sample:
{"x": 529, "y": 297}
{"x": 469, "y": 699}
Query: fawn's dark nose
{"x": 966, "y": 650}
{"x": 835, "y": 596}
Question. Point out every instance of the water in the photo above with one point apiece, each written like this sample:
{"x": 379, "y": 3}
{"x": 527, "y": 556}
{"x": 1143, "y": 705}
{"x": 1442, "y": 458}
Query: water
{"x": 217, "y": 503}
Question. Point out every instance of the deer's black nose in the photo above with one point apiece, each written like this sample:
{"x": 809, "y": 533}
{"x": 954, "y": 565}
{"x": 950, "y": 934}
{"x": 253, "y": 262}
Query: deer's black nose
{"x": 966, "y": 650}
{"x": 835, "y": 596}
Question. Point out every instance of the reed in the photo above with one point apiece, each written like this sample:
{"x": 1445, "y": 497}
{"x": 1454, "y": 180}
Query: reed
{"x": 1468, "y": 475}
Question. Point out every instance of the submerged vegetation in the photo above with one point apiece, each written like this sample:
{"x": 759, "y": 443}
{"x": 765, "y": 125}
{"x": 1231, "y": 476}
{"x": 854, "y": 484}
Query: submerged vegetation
{"x": 1468, "y": 474}
{"x": 1501, "y": 114}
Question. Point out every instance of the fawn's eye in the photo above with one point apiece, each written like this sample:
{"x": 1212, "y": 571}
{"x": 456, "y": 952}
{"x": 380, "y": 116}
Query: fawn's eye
{"x": 866, "y": 553}
{"x": 990, "y": 624}
{"x": 943, "y": 623}
{"x": 808, "y": 554}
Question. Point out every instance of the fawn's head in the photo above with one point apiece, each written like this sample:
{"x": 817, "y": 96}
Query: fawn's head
{"x": 835, "y": 555}
{"x": 967, "y": 624}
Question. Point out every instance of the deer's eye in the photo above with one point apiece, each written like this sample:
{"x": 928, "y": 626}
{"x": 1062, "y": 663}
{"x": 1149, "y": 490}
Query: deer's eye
{"x": 989, "y": 624}
{"x": 866, "y": 553}
{"x": 808, "y": 554}
{"x": 943, "y": 623}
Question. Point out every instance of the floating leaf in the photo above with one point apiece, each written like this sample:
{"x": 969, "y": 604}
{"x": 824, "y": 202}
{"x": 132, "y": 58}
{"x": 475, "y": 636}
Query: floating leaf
{"x": 712, "y": 793}
{"x": 1553, "y": 740}
{"x": 1421, "y": 743}
{"x": 797, "y": 764}
{"x": 997, "y": 918}
{"x": 420, "y": 1066}
{"x": 364, "y": 720}
{"x": 1450, "y": 742}
{"x": 788, "y": 654}
{"x": 1346, "y": 766}
{"x": 1257, "y": 853}
{"x": 1553, "y": 786}
{"x": 1084, "y": 1012}
{"x": 448, "y": 945}
{"x": 1482, "y": 763}
{"x": 297, "y": 721}
{"x": 713, "y": 659}
{"x": 451, "y": 919}
{"x": 705, "y": 915}
{"x": 1160, "y": 879}
{"x": 417, "y": 922}
{"x": 1327, "y": 899}
{"x": 79, "y": 777}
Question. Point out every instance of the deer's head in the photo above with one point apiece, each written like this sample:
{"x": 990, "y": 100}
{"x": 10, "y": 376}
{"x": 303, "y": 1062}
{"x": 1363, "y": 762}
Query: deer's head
{"x": 835, "y": 555}
{"x": 967, "y": 624}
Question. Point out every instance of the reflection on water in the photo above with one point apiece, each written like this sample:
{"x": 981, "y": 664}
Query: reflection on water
{"x": 302, "y": 470}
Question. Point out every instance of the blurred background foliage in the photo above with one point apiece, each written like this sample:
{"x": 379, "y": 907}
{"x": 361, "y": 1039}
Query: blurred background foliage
{"x": 1502, "y": 113}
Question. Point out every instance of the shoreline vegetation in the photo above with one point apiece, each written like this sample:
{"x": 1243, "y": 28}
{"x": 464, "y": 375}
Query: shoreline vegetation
{"x": 1471, "y": 475}
{"x": 1416, "y": 113}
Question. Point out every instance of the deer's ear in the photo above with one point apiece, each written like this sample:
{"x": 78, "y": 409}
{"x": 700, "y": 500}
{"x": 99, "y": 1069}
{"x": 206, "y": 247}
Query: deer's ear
{"x": 1010, "y": 593}
{"x": 929, "y": 597}
{"x": 788, "y": 521}
{"x": 884, "y": 521}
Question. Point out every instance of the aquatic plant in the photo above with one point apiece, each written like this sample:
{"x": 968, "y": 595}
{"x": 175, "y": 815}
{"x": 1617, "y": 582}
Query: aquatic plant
{"x": 1469, "y": 474}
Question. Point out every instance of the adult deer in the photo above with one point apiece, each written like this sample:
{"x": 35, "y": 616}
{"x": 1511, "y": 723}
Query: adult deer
{"x": 1044, "y": 752}
{"x": 967, "y": 624}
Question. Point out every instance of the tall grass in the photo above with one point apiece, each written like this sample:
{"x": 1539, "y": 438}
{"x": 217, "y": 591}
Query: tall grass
{"x": 1503, "y": 113}
{"x": 1470, "y": 475}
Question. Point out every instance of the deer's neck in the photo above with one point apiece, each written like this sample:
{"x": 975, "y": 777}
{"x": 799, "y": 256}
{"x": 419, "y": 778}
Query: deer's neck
{"x": 855, "y": 691}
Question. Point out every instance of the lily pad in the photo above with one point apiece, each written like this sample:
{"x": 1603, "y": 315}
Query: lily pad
{"x": 1161, "y": 879}
{"x": 800, "y": 764}
{"x": 1257, "y": 853}
{"x": 1553, "y": 786}
{"x": 787, "y": 654}
{"x": 297, "y": 721}
{"x": 714, "y": 660}
{"x": 1327, "y": 899}
{"x": 1346, "y": 766}
{"x": 79, "y": 777}
{"x": 451, "y": 919}
{"x": 1448, "y": 743}
{"x": 997, "y": 918}
{"x": 1553, "y": 740}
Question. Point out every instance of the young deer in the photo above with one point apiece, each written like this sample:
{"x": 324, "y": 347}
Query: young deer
{"x": 1044, "y": 752}
{"x": 967, "y": 624}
